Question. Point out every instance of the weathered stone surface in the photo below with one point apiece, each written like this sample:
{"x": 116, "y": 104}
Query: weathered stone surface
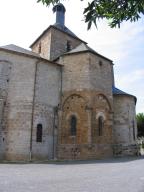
{"x": 53, "y": 43}
{"x": 125, "y": 129}
{"x": 35, "y": 91}
{"x": 87, "y": 94}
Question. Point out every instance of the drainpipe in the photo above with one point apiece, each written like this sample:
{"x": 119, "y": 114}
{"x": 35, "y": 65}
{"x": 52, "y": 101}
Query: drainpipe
{"x": 33, "y": 106}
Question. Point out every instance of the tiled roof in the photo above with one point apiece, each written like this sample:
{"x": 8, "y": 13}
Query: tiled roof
{"x": 64, "y": 29}
{"x": 83, "y": 47}
{"x": 117, "y": 91}
{"x": 18, "y": 49}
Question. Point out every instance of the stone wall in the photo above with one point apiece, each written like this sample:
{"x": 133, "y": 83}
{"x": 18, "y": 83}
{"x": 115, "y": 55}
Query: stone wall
{"x": 46, "y": 102}
{"x": 32, "y": 98}
{"x": 5, "y": 72}
{"x": 101, "y": 74}
{"x": 84, "y": 151}
{"x": 59, "y": 42}
{"x": 18, "y": 106}
{"x": 87, "y": 143}
{"x": 87, "y": 71}
{"x": 42, "y": 46}
{"x": 125, "y": 128}
{"x": 54, "y": 43}
{"x": 86, "y": 94}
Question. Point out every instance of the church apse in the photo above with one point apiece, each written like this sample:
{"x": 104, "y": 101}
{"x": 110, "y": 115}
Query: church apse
{"x": 79, "y": 134}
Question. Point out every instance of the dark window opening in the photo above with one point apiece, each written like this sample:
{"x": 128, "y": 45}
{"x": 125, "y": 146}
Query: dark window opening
{"x": 68, "y": 46}
{"x": 100, "y": 125}
{"x": 100, "y": 63}
{"x": 39, "y": 133}
{"x": 39, "y": 49}
{"x": 73, "y": 124}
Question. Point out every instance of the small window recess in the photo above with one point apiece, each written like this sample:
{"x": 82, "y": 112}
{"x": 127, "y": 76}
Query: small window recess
{"x": 39, "y": 48}
{"x": 68, "y": 46}
{"x": 39, "y": 133}
{"x": 73, "y": 125}
{"x": 100, "y": 63}
{"x": 100, "y": 125}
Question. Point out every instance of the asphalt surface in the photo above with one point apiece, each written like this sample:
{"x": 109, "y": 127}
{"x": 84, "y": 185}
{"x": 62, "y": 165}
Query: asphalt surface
{"x": 113, "y": 175}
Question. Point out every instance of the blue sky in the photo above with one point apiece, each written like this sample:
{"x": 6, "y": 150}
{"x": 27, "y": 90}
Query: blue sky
{"x": 23, "y": 21}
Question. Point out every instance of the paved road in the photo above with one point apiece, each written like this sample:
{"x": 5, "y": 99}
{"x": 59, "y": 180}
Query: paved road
{"x": 119, "y": 175}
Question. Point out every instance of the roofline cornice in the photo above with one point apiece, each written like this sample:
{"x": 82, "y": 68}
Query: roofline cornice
{"x": 52, "y": 26}
{"x": 89, "y": 51}
{"x": 126, "y": 94}
{"x": 30, "y": 56}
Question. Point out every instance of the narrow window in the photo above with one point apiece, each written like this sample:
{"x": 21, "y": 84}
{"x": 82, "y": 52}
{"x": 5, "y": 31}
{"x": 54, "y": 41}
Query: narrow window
{"x": 39, "y": 48}
{"x": 39, "y": 133}
{"x": 73, "y": 124}
{"x": 100, "y": 125}
{"x": 68, "y": 46}
{"x": 100, "y": 63}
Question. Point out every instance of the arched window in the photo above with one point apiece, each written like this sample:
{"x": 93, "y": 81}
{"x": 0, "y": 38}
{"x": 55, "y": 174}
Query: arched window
{"x": 100, "y": 125}
{"x": 73, "y": 125}
{"x": 39, "y": 133}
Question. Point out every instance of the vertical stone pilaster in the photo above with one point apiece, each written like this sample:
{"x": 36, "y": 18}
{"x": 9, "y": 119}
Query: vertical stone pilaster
{"x": 89, "y": 113}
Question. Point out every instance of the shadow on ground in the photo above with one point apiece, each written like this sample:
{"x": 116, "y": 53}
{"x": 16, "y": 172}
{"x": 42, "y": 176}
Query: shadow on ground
{"x": 108, "y": 160}
{"x": 74, "y": 162}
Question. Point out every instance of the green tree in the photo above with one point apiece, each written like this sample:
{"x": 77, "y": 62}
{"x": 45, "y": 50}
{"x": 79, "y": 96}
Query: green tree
{"x": 115, "y": 11}
{"x": 140, "y": 124}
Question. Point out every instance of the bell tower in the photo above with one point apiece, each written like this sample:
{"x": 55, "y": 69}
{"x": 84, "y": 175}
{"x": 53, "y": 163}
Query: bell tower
{"x": 57, "y": 39}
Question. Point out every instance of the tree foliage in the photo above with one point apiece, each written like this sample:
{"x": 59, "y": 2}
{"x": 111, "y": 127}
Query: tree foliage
{"x": 115, "y": 11}
{"x": 140, "y": 124}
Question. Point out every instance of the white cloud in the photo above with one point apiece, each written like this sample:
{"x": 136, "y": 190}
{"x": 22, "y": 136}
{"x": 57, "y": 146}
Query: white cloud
{"x": 130, "y": 78}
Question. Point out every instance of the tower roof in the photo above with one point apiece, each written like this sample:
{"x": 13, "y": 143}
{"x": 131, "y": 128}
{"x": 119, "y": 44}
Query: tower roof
{"x": 59, "y": 24}
{"x": 83, "y": 47}
{"x": 21, "y": 51}
{"x": 117, "y": 91}
{"x": 60, "y": 10}
{"x": 63, "y": 29}
{"x": 59, "y": 7}
{"x": 15, "y": 48}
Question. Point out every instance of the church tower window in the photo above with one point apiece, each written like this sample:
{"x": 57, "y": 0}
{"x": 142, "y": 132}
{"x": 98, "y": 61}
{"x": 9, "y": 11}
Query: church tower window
{"x": 68, "y": 46}
{"x": 100, "y": 63}
{"x": 39, "y": 48}
{"x": 39, "y": 133}
{"x": 100, "y": 125}
{"x": 73, "y": 125}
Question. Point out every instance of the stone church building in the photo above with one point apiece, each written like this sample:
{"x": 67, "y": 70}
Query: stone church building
{"x": 59, "y": 101}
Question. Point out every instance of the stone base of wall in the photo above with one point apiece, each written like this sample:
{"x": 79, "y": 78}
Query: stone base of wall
{"x": 16, "y": 157}
{"x": 84, "y": 151}
{"x": 125, "y": 150}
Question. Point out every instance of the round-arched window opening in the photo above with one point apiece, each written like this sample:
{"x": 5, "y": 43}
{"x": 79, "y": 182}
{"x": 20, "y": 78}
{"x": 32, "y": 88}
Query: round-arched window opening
{"x": 73, "y": 125}
{"x": 100, "y": 125}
